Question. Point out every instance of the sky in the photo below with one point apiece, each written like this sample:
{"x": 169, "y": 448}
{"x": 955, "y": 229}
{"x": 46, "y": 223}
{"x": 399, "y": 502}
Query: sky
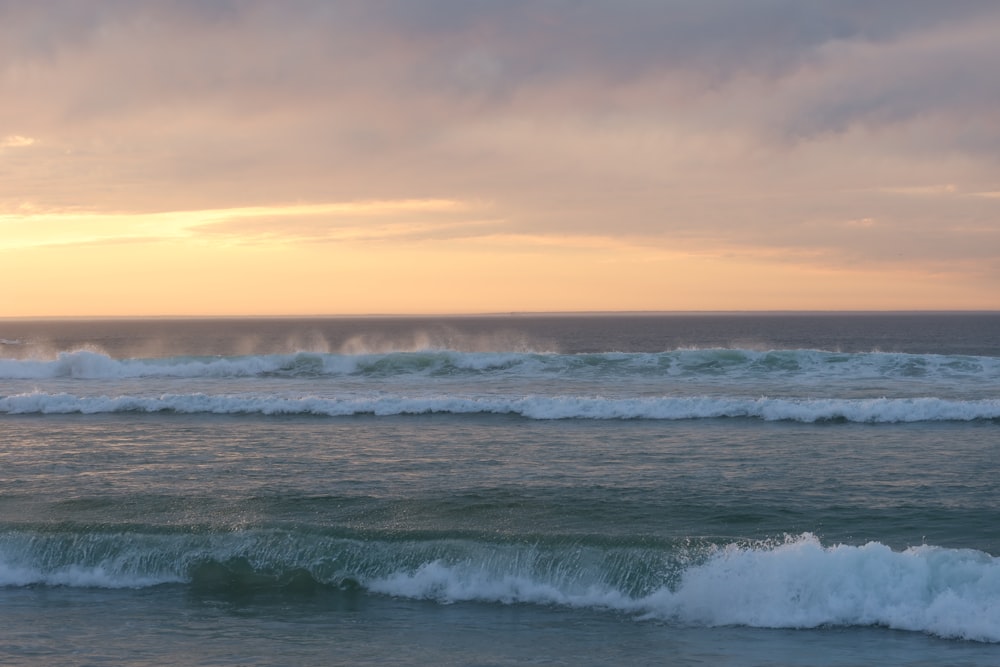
{"x": 250, "y": 157}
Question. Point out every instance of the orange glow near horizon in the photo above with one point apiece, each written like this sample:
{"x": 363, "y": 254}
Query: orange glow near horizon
{"x": 168, "y": 264}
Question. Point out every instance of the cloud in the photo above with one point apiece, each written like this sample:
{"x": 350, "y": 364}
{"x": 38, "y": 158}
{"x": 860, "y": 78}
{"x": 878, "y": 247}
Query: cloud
{"x": 447, "y": 59}
{"x": 719, "y": 124}
{"x": 406, "y": 220}
{"x": 400, "y": 220}
{"x": 16, "y": 141}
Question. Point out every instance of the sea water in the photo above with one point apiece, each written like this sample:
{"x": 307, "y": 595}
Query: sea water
{"x": 680, "y": 489}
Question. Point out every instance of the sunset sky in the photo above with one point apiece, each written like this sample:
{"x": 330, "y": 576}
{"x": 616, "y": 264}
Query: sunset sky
{"x": 245, "y": 157}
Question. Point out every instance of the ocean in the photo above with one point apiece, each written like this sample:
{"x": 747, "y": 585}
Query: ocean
{"x": 651, "y": 489}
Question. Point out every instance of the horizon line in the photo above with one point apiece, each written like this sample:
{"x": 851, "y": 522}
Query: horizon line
{"x": 514, "y": 313}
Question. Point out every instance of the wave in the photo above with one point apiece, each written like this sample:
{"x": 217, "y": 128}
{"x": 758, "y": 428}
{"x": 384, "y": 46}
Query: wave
{"x": 89, "y": 364}
{"x": 879, "y": 410}
{"x": 793, "y": 583}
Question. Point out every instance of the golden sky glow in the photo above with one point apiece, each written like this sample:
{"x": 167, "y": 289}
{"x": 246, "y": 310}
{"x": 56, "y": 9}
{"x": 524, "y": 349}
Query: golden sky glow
{"x": 179, "y": 158}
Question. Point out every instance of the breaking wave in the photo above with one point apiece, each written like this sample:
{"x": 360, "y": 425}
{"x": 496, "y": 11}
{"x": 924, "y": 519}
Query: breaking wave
{"x": 880, "y": 410}
{"x": 88, "y": 364}
{"x": 792, "y": 583}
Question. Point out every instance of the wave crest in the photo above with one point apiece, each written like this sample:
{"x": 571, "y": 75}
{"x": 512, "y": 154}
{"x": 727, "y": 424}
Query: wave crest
{"x": 881, "y": 410}
{"x": 794, "y": 583}
{"x": 711, "y": 363}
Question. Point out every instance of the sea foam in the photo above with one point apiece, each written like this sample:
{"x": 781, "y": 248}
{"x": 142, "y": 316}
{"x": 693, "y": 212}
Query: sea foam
{"x": 792, "y": 583}
{"x": 946, "y": 592}
{"x": 801, "y": 365}
{"x": 798, "y": 584}
{"x": 880, "y": 410}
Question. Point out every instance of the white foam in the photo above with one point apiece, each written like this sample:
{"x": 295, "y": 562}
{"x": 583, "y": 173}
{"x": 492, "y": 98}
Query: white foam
{"x": 794, "y": 583}
{"x": 86, "y": 364}
{"x": 93, "y": 365}
{"x": 882, "y": 410}
{"x": 77, "y": 576}
{"x": 449, "y": 583}
{"x": 798, "y": 584}
{"x": 800, "y": 366}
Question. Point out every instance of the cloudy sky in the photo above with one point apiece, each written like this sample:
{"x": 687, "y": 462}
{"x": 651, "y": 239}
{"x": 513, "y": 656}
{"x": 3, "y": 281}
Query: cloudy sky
{"x": 234, "y": 157}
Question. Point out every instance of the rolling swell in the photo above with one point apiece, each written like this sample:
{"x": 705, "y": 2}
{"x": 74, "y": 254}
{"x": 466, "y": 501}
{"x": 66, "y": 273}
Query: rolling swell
{"x": 539, "y": 407}
{"x": 738, "y": 363}
{"x": 796, "y": 582}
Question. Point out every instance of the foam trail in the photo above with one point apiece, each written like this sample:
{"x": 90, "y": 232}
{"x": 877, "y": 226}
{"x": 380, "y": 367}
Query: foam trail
{"x": 85, "y": 364}
{"x": 797, "y": 365}
{"x": 883, "y": 410}
{"x": 801, "y": 584}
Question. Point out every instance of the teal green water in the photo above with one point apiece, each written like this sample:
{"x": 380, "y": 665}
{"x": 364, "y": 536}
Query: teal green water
{"x": 550, "y": 490}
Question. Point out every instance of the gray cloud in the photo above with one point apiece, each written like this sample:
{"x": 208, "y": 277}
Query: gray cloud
{"x": 323, "y": 52}
{"x": 743, "y": 123}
